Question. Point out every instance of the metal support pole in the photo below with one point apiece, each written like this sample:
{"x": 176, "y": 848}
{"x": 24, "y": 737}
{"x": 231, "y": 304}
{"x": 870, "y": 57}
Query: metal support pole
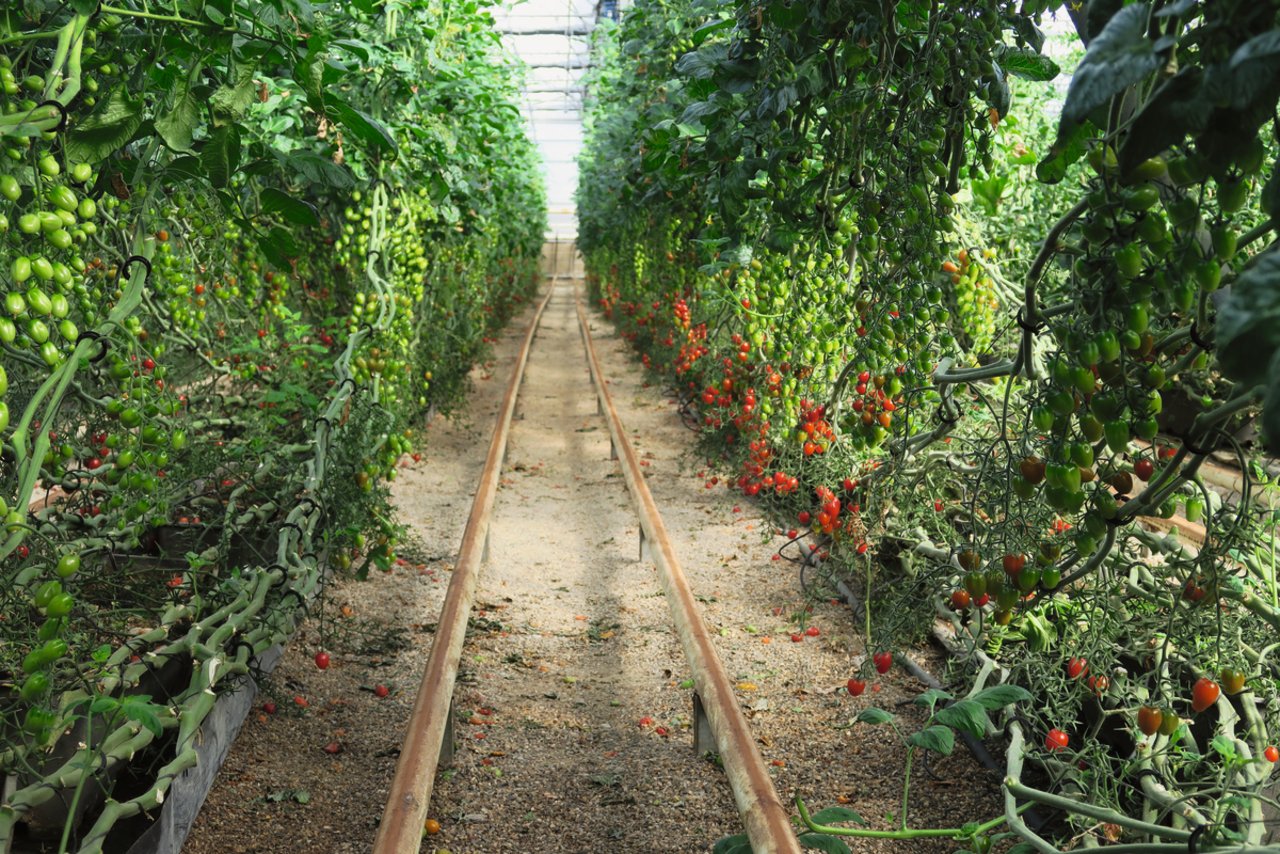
{"x": 704, "y": 739}
{"x": 446, "y": 746}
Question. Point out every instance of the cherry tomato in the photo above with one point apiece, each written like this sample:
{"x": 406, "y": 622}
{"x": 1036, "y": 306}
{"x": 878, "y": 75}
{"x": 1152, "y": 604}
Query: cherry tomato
{"x": 1149, "y": 720}
{"x": 1077, "y": 667}
{"x": 856, "y": 686}
{"x": 1204, "y": 694}
{"x": 1232, "y": 680}
{"x": 1056, "y": 740}
{"x": 883, "y": 661}
{"x": 322, "y": 660}
{"x": 1272, "y": 754}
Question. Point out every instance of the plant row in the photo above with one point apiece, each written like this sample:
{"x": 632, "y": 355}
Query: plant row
{"x": 244, "y": 246}
{"x": 973, "y": 352}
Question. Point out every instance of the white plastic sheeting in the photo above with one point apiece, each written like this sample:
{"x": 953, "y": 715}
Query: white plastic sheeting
{"x": 553, "y": 37}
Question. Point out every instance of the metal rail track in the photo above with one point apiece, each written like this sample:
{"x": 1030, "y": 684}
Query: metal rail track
{"x": 429, "y": 736}
{"x": 763, "y": 816}
{"x": 718, "y": 721}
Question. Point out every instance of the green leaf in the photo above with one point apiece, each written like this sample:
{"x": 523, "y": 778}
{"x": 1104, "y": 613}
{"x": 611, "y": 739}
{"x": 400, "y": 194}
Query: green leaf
{"x": 1254, "y": 68}
{"x": 967, "y": 716}
{"x": 1271, "y": 408}
{"x": 932, "y": 697}
{"x": 369, "y": 132}
{"x": 822, "y": 842}
{"x": 1063, "y": 153}
{"x": 832, "y": 815}
{"x": 177, "y": 127}
{"x": 1119, "y": 57}
{"x": 220, "y": 155}
{"x": 320, "y": 170}
{"x": 141, "y": 710}
{"x": 1224, "y": 747}
{"x": 102, "y": 705}
{"x": 998, "y": 696}
{"x": 874, "y": 716}
{"x": 939, "y": 739}
{"x": 736, "y": 844}
{"x": 230, "y": 101}
{"x": 1026, "y": 63}
{"x": 704, "y": 32}
{"x": 1248, "y": 323}
{"x": 291, "y": 209}
{"x": 106, "y": 130}
{"x": 1178, "y": 108}
{"x": 279, "y": 246}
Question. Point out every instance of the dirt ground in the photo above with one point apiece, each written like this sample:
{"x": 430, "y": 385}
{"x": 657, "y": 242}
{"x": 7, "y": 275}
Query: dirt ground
{"x": 573, "y": 712}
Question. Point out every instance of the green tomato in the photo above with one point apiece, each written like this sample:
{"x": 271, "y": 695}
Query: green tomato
{"x": 68, "y": 565}
{"x": 39, "y": 301}
{"x": 45, "y": 592}
{"x": 1138, "y": 319}
{"x": 37, "y": 330}
{"x": 60, "y": 605}
{"x": 34, "y": 687}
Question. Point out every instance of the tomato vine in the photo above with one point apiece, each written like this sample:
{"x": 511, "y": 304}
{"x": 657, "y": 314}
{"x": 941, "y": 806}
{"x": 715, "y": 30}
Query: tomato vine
{"x": 957, "y": 375}
{"x": 245, "y": 245}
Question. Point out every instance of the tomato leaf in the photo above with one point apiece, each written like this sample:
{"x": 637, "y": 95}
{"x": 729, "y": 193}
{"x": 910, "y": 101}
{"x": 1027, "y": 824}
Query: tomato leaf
{"x": 177, "y": 127}
{"x": 1249, "y": 322}
{"x": 230, "y": 101}
{"x": 1178, "y": 108}
{"x": 320, "y": 170}
{"x": 830, "y": 815}
{"x": 1254, "y": 68}
{"x": 874, "y": 716}
{"x": 107, "y": 129}
{"x": 371, "y": 133}
{"x": 1120, "y": 56}
{"x": 939, "y": 739}
{"x": 822, "y": 842}
{"x": 998, "y": 696}
{"x": 931, "y": 698}
{"x": 141, "y": 710}
{"x": 736, "y": 844}
{"x": 967, "y": 716}
{"x": 220, "y": 155}
{"x": 1064, "y": 152}
{"x": 291, "y": 209}
{"x": 1026, "y": 63}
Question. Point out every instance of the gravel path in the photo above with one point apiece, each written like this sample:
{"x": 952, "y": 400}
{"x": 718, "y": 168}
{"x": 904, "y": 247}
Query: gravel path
{"x": 573, "y": 714}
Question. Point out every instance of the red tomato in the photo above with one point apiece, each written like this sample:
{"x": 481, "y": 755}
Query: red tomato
{"x": 1056, "y": 740}
{"x": 1149, "y": 720}
{"x": 322, "y": 660}
{"x": 857, "y": 686}
{"x": 1077, "y": 667}
{"x": 883, "y": 661}
{"x": 1204, "y": 694}
{"x": 1272, "y": 754}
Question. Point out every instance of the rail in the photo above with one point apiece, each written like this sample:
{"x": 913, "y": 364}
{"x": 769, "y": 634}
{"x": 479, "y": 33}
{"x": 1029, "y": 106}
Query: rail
{"x": 763, "y": 816}
{"x": 428, "y": 730}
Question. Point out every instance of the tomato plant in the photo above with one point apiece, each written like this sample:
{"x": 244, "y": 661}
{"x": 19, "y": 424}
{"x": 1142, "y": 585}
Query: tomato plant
{"x": 989, "y": 346}
{"x": 244, "y": 248}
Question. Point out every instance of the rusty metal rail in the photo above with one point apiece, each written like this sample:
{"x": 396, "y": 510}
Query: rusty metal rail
{"x": 429, "y": 726}
{"x": 763, "y": 816}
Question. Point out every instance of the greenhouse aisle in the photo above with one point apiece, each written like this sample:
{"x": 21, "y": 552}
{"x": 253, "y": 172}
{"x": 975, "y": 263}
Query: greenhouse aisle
{"x": 573, "y": 713}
